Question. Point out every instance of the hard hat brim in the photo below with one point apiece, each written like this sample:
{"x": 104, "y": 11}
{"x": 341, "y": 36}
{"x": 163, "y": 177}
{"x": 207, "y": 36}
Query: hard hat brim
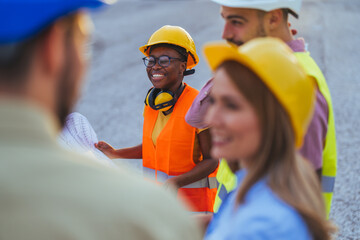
{"x": 220, "y": 51}
{"x": 22, "y": 19}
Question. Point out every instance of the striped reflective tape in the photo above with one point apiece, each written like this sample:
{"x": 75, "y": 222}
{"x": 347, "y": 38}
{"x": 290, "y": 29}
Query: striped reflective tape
{"x": 162, "y": 177}
{"x": 327, "y": 184}
{"x": 222, "y": 192}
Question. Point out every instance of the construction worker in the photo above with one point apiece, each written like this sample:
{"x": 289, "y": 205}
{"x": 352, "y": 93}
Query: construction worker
{"x": 173, "y": 152}
{"x": 261, "y": 104}
{"x": 245, "y": 20}
{"x": 46, "y": 191}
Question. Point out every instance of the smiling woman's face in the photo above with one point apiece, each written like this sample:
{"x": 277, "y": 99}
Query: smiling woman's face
{"x": 234, "y": 124}
{"x": 168, "y": 77}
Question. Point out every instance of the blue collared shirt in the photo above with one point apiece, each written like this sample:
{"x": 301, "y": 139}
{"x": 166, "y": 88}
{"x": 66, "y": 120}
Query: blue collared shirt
{"x": 262, "y": 216}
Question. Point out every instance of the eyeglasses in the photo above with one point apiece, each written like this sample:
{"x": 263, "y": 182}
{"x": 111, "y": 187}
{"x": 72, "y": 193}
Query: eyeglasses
{"x": 163, "y": 61}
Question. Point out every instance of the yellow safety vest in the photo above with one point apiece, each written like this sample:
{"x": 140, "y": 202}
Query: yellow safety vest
{"x": 227, "y": 180}
{"x": 329, "y": 153}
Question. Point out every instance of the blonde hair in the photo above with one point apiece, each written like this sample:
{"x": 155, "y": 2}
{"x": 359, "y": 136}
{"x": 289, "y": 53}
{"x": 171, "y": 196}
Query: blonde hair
{"x": 288, "y": 175}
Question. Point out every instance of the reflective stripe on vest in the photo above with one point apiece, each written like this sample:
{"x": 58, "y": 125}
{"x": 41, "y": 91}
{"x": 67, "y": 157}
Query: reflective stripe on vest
{"x": 159, "y": 176}
{"x": 222, "y": 192}
{"x": 329, "y": 166}
{"x": 327, "y": 184}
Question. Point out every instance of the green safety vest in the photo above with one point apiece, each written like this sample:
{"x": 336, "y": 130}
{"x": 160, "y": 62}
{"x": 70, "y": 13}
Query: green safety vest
{"x": 227, "y": 180}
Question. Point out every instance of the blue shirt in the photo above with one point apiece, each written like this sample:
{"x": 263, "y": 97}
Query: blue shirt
{"x": 263, "y": 215}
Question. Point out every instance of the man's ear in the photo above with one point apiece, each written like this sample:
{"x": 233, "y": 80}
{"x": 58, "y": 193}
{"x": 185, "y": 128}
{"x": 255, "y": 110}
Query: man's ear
{"x": 53, "y": 49}
{"x": 273, "y": 19}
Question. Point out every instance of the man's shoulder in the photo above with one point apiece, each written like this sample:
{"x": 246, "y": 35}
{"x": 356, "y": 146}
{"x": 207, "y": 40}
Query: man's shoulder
{"x": 73, "y": 190}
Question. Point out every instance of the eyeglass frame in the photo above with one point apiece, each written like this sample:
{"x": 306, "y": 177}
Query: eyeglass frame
{"x": 157, "y": 60}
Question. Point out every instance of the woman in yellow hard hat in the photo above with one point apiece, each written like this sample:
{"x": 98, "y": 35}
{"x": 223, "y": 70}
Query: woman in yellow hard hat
{"x": 261, "y": 104}
{"x": 173, "y": 152}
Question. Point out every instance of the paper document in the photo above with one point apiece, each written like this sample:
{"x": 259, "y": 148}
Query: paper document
{"x": 78, "y": 135}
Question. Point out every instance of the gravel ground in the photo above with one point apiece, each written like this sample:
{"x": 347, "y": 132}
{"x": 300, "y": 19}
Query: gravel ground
{"x": 117, "y": 83}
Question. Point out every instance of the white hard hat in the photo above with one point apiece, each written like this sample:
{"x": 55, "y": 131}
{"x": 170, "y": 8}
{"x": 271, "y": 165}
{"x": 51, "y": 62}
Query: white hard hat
{"x": 265, "y": 5}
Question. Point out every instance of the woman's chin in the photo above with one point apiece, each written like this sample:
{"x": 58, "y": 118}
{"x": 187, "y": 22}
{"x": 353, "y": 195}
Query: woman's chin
{"x": 219, "y": 153}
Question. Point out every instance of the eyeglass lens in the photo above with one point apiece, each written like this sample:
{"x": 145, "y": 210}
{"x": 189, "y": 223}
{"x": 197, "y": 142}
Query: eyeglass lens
{"x": 163, "y": 61}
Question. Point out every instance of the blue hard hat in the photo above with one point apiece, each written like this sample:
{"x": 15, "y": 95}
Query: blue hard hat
{"x": 20, "y": 19}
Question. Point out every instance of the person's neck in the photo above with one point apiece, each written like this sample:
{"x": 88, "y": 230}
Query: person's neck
{"x": 176, "y": 86}
{"x": 282, "y": 33}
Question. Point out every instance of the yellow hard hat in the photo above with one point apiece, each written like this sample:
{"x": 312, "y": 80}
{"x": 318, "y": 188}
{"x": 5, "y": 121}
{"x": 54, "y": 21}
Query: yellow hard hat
{"x": 275, "y": 64}
{"x": 173, "y": 35}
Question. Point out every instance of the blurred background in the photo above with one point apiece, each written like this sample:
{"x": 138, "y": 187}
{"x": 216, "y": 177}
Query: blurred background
{"x": 116, "y": 83}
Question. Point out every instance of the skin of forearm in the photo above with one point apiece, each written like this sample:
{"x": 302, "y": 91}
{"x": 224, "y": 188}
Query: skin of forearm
{"x": 201, "y": 170}
{"x": 129, "y": 153}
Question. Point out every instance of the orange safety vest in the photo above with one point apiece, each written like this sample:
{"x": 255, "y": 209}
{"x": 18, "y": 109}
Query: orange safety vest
{"x": 173, "y": 153}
